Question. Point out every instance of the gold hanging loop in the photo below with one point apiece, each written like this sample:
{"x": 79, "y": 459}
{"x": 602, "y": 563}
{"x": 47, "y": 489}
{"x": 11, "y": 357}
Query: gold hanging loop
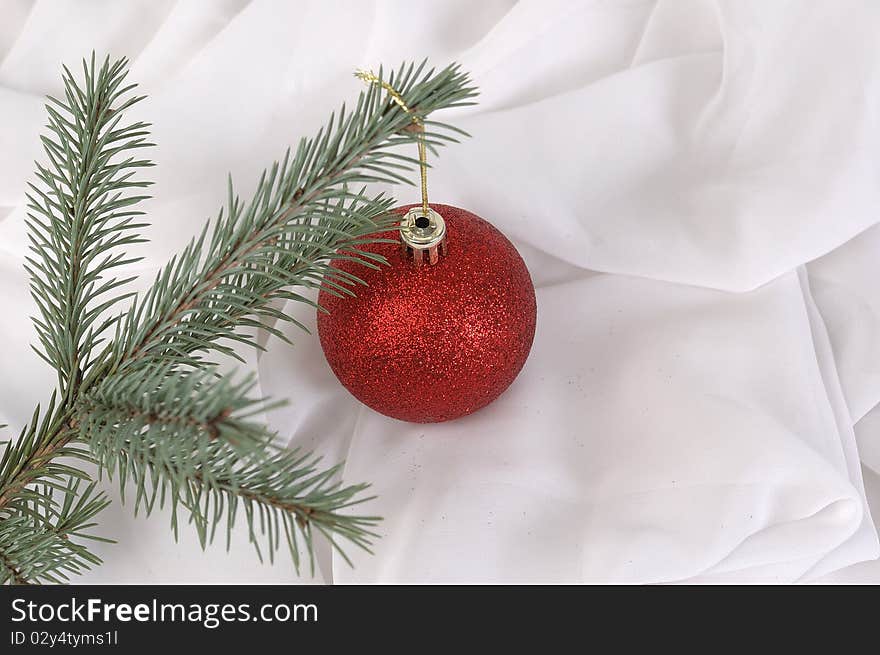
{"x": 418, "y": 122}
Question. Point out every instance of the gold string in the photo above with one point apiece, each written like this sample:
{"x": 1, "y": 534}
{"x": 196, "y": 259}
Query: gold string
{"x": 370, "y": 78}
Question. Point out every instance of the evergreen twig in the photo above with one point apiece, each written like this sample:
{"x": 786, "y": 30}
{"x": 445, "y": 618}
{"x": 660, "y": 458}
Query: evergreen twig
{"x": 138, "y": 394}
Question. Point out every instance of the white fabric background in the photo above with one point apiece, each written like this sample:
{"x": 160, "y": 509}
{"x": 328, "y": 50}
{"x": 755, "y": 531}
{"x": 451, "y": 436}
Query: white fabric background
{"x": 695, "y": 186}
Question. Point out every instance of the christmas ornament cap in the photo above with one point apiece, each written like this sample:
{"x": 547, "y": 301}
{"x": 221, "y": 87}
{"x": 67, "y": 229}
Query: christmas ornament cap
{"x": 423, "y": 235}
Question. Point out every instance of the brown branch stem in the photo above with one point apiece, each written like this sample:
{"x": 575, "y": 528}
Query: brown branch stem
{"x": 17, "y": 576}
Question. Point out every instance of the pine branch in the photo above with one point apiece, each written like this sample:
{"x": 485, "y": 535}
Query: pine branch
{"x": 186, "y": 438}
{"x": 82, "y": 216}
{"x": 42, "y": 543}
{"x": 79, "y": 217}
{"x": 149, "y": 406}
{"x": 184, "y": 411}
{"x": 34, "y": 457}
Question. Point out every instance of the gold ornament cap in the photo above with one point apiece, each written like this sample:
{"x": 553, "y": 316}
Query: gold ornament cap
{"x": 423, "y": 235}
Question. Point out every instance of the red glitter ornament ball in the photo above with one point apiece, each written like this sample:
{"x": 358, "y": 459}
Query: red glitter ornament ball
{"x": 433, "y": 342}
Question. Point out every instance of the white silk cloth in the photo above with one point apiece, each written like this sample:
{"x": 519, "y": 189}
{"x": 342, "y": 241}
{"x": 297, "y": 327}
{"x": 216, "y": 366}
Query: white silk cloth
{"x": 695, "y": 187}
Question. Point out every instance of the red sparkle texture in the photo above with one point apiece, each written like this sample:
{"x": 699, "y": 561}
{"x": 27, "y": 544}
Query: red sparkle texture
{"x": 435, "y": 342}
